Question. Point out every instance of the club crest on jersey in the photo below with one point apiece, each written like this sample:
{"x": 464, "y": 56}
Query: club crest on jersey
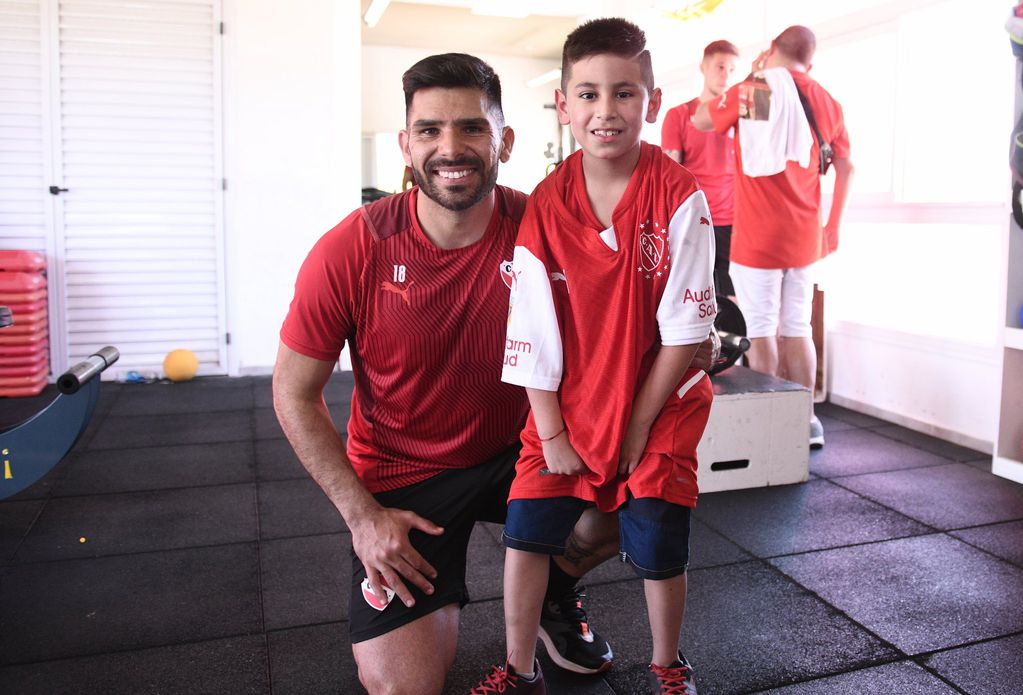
{"x": 507, "y": 274}
{"x": 651, "y": 249}
{"x": 374, "y": 601}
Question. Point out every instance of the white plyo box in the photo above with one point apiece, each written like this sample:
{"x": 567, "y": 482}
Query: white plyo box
{"x": 757, "y": 435}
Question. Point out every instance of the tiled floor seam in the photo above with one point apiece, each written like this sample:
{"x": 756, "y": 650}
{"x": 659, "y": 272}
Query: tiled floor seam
{"x": 885, "y": 506}
{"x": 104, "y": 556}
{"x": 983, "y": 550}
{"x": 879, "y": 662}
{"x": 305, "y": 626}
{"x": 21, "y": 541}
{"x": 128, "y": 650}
{"x": 148, "y": 490}
{"x": 941, "y": 677}
{"x": 753, "y": 553}
{"x": 96, "y": 426}
{"x": 167, "y": 446}
{"x": 838, "y": 611}
{"x": 946, "y": 462}
{"x": 259, "y": 582}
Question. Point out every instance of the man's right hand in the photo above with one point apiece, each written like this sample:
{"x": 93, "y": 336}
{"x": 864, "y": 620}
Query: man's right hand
{"x": 381, "y": 541}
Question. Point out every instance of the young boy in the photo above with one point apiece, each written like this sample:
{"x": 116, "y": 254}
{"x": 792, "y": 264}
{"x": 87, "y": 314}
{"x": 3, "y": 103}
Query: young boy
{"x": 710, "y": 156}
{"x": 612, "y": 291}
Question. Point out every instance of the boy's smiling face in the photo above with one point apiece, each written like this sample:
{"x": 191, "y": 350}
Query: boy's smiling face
{"x": 606, "y": 101}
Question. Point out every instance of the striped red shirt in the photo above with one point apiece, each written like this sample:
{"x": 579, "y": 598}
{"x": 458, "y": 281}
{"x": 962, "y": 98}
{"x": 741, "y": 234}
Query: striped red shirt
{"x": 426, "y": 329}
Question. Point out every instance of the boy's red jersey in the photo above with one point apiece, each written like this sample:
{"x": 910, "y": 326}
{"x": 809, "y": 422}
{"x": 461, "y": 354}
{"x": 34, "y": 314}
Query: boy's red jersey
{"x": 590, "y": 307}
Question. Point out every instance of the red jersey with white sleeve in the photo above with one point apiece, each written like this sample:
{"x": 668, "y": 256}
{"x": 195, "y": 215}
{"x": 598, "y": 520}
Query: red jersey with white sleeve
{"x": 425, "y": 327}
{"x": 709, "y": 155}
{"x": 777, "y": 218}
{"x": 591, "y": 307}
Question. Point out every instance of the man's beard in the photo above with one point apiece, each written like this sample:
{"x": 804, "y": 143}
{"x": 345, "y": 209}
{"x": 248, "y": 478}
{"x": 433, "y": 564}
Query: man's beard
{"x": 456, "y": 198}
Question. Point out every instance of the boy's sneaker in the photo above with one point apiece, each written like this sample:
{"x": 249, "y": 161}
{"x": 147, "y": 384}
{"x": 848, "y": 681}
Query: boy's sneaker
{"x": 677, "y": 679}
{"x": 566, "y": 633}
{"x": 816, "y": 433}
{"x": 505, "y": 680}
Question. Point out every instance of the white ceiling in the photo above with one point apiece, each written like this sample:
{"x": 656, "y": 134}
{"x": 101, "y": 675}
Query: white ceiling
{"x": 451, "y": 25}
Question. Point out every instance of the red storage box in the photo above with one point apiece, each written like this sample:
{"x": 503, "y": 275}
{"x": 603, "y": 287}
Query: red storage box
{"x": 21, "y": 282}
{"x": 32, "y": 261}
{"x": 8, "y": 298}
{"x": 23, "y": 328}
{"x": 23, "y": 385}
{"x": 34, "y": 357}
{"x": 32, "y": 370}
{"x": 19, "y": 308}
{"x": 7, "y": 339}
{"x": 22, "y": 347}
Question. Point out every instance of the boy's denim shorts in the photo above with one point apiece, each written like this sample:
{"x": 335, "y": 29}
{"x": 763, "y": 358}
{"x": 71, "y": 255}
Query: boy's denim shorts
{"x": 654, "y": 534}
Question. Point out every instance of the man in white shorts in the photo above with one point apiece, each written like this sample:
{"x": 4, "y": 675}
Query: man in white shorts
{"x": 776, "y": 233}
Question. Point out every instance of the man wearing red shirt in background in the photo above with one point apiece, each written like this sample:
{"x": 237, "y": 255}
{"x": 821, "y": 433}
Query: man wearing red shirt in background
{"x": 777, "y": 224}
{"x": 708, "y": 155}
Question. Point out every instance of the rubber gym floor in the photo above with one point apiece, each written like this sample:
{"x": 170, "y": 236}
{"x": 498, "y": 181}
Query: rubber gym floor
{"x": 181, "y": 548}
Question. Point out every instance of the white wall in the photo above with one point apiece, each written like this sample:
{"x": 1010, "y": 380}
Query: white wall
{"x": 914, "y": 296}
{"x": 292, "y": 153}
{"x": 383, "y": 110}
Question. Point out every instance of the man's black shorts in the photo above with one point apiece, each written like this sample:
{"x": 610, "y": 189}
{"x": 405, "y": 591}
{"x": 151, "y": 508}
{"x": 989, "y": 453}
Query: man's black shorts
{"x": 454, "y": 500}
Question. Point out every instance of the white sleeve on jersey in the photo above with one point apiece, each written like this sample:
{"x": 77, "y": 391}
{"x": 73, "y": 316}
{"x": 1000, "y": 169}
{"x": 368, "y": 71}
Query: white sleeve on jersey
{"x": 532, "y": 348}
{"x": 688, "y": 306}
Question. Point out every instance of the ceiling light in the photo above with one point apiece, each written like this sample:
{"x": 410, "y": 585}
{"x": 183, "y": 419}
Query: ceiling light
{"x": 375, "y": 12}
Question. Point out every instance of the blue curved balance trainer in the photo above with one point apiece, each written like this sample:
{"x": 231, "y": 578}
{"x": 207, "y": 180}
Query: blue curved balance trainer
{"x": 29, "y": 450}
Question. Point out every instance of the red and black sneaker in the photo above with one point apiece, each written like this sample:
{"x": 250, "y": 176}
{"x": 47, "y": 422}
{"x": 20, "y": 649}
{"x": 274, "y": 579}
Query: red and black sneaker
{"x": 505, "y": 680}
{"x": 677, "y": 679}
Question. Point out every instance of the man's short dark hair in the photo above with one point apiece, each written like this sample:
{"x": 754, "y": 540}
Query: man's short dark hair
{"x": 451, "y": 71}
{"x": 720, "y": 46}
{"x": 798, "y": 43}
{"x": 611, "y": 35}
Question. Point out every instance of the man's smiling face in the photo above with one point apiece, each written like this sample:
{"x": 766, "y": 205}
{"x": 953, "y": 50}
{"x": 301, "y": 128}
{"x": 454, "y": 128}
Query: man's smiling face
{"x": 454, "y": 142}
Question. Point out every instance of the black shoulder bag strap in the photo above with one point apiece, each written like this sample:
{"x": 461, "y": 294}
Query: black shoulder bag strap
{"x": 827, "y": 155}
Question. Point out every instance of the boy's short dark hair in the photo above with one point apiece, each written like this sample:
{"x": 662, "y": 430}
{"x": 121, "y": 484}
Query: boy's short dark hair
{"x": 720, "y": 46}
{"x": 797, "y": 42}
{"x": 451, "y": 71}
{"x": 611, "y": 35}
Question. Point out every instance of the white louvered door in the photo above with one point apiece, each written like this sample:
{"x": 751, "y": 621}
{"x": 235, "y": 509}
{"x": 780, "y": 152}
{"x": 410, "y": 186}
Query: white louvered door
{"x": 136, "y": 141}
{"x": 25, "y": 162}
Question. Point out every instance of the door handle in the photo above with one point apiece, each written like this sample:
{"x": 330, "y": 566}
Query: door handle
{"x": 56, "y": 190}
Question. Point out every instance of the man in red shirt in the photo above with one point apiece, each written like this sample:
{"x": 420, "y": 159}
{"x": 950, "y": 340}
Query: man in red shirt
{"x": 709, "y": 155}
{"x": 777, "y": 231}
{"x": 417, "y": 284}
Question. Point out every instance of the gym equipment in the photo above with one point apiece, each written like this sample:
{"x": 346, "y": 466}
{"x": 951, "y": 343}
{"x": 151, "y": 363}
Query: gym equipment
{"x": 730, "y": 329}
{"x": 33, "y": 447}
{"x": 757, "y": 432}
{"x": 180, "y": 365}
{"x": 23, "y": 292}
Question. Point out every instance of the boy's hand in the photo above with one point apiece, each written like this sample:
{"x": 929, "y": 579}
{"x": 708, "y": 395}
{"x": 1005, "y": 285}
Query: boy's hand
{"x": 636, "y": 437}
{"x": 561, "y": 456}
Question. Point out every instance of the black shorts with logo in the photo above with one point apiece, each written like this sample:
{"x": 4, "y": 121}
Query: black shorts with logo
{"x": 454, "y": 500}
